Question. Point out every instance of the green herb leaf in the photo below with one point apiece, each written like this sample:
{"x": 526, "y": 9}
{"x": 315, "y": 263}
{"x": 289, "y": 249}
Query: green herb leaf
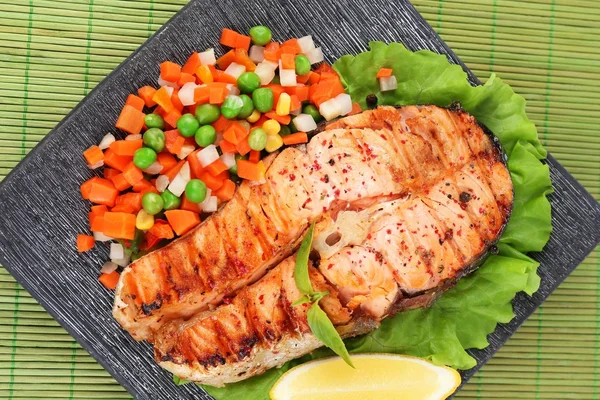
{"x": 301, "y": 270}
{"x": 180, "y": 381}
{"x": 302, "y": 300}
{"x": 316, "y": 296}
{"x": 322, "y": 327}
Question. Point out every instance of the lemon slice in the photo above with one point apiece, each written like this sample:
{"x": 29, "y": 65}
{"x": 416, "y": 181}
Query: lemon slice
{"x": 377, "y": 376}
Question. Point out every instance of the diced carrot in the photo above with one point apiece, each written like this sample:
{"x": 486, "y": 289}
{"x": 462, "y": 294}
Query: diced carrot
{"x": 93, "y": 155}
{"x": 176, "y": 101}
{"x": 227, "y": 147}
{"x": 221, "y": 123}
{"x": 136, "y": 102}
{"x": 277, "y": 90}
{"x": 243, "y": 147}
{"x": 231, "y": 133}
{"x": 302, "y": 92}
{"x": 328, "y": 75}
{"x": 282, "y": 119}
{"x": 186, "y": 204}
{"x": 172, "y": 117}
{"x": 131, "y": 120}
{"x": 146, "y": 93}
{"x": 355, "y": 109}
{"x": 226, "y": 59}
{"x": 126, "y": 147}
{"x": 169, "y": 71}
{"x": 295, "y": 138}
{"x": 143, "y": 187}
{"x": 172, "y": 173}
{"x": 202, "y": 94}
{"x": 132, "y": 174}
{"x": 303, "y": 78}
{"x": 191, "y": 64}
{"x": 196, "y": 168}
{"x": 241, "y": 57}
{"x": 119, "y": 225}
{"x": 162, "y": 230}
{"x": 228, "y": 37}
{"x": 242, "y": 42}
{"x": 133, "y": 200}
{"x": 182, "y": 221}
{"x": 124, "y": 208}
{"x": 212, "y": 182}
{"x": 384, "y": 73}
{"x": 192, "y": 109}
{"x": 314, "y": 78}
{"x": 115, "y": 161}
{"x": 292, "y": 45}
{"x": 102, "y": 191}
{"x": 110, "y": 172}
{"x": 97, "y": 223}
{"x": 159, "y": 110}
{"x": 324, "y": 67}
{"x": 254, "y": 156}
{"x": 86, "y": 187}
{"x": 226, "y": 192}
{"x": 149, "y": 241}
{"x": 120, "y": 182}
{"x": 263, "y": 118}
{"x": 174, "y": 141}
{"x": 216, "y": 167}
{"x": 205, "y": 74}
{"x": 225, "y": 78}
{"x": 185, "y": 78}
{"x": 163, "y": 99}
{"x": 272, "y": 52}
{"x": 217, "y": 95}
{"x": 295, "y": 103}
{"x": 223, "y": 175}
{"x": 98, "y": 210}
{"x": 251, "y": 171}
{"x": 288, "y": 60}
{"x": 167, "y": 160}
{"x": 110, "y": 281}
{"x": 85, "y": 243}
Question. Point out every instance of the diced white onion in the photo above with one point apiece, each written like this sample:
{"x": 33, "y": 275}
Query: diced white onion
{"x": 208, "y": 155}
{"x": 388, "y": 83}
{"x": 228, "y": 159}
{"x": 304, "y": 123}
{"x": 208, "y": 57}
{"x": 315, "y": 55}
{"x": 206, "y": 199}
{"x": 235, "y": 70}
{"x": 109, "y": 267}
{"x": 162, "y": 182}
{"x": 245, "y": 124}
{"x": 232, "y": 89}
{"x": 177, "y": 187}
{"x": 101, "y": 237}
{"x": 162, "y": 82}
{"x": 287, "y": 77}
{"x": 185, "y": 151}
{"x": 133, "y": 137}
{"x": 122, "y": 262}
{"x": 106, "y": 141}
{"x": 186, "y": 94}
{"x": 330, "y": 109}
{"x": 345, "y": 102}
{"x": 170, "y": 90}
{"x": 96, "y": 165}
{"x": 154, "y": 169}
{"x": 306, "y": 44}
{"x": 116, "y": 251}
{"x": 209, "y": 205}
{"x": 219, "y": 138}
{"x": 257, "y": 54}
{"x": 266, "y": 71}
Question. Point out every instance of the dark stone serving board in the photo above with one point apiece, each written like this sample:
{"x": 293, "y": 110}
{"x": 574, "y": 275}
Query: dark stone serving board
{"x": 41, "y": 210}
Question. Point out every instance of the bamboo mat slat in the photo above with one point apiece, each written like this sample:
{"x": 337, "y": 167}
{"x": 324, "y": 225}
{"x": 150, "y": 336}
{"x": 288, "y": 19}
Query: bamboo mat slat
{"x": 52, "y": 53}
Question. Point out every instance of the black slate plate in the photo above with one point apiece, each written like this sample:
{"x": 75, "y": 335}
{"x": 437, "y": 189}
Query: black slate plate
{"x": 41, "y": 210}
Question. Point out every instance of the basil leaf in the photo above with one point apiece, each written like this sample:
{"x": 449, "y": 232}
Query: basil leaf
{"x": 301, "y": 271}
{"x": 302, "y": 300}
{"x": 322, "y": 327}
{"x": 179, "y": 381}
{"x": 315, "y": 297}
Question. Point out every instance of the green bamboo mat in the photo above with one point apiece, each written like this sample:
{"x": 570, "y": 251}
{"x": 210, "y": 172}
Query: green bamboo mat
{"x": 52, "y": 53}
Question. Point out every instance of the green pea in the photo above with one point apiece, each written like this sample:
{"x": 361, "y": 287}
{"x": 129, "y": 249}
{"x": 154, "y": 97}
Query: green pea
{"x": 292, "y": 128}
{"x": 260, "y": 35}
{"x": 263, "y": 99}
{"x": 155, "y": 139}
{"x": 302, "y": 65}
{"x": 205, "y": 135}
{"x": 313, "y": 111}
{"x": 232, "y": 106}
{"x": 285, "y": 130}
{"x": 207, "y": 113}
{"x": 154, "y": 121}
{"x": 257, "y": 139}
{"x": 247, "y": 107}
{"x": 144, "y": 157}
{"x": 195, "y": 191}
{"x": 187, "y": 125}
{"x": 233, "y": 169}
{"x": 248, "y": 82}
{"x": 171, "y": 202}
{"x": 152, "y": 203}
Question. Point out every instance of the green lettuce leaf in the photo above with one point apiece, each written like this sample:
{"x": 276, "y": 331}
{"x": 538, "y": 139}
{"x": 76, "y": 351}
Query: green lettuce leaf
{"x": 464, "y": 316}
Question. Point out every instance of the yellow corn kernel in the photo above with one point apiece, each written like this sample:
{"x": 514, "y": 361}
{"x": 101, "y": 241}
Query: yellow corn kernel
{"x": 274, "y": 142}
{"x": 144, "y": 221}
{"x": 203, "y": 72}
{"x": 255, "y": 116}
{"x": 271, "y": 127}
{"x": 283, "y": 104}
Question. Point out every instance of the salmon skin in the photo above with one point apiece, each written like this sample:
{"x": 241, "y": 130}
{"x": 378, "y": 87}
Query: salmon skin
{"x": 374, "y": 260}
{"x": 353, "y": 163}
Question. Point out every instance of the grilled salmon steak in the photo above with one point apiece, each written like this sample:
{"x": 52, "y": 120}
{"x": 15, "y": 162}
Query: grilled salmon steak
{"x": 383, "y": 156}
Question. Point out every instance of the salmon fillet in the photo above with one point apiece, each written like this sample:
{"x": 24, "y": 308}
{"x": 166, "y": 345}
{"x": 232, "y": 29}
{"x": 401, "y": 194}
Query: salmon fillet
{"x": 375, "y": 260}
{"x": 353, "y": 163}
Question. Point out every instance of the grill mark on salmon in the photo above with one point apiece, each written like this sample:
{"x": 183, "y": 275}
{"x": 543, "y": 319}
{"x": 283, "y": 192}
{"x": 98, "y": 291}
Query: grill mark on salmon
{"x": 395, "y": 255}
{"x": 353, "y": 163}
